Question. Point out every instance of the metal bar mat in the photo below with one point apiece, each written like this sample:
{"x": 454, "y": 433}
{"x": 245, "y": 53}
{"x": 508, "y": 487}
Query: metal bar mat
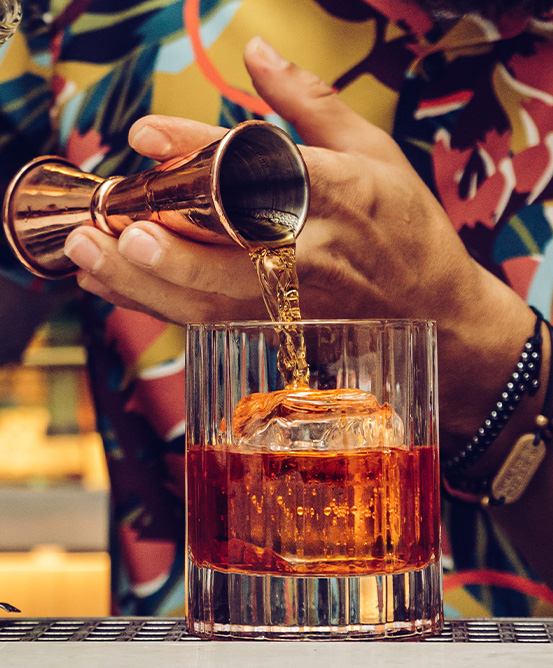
{"x": 174, "y": 630}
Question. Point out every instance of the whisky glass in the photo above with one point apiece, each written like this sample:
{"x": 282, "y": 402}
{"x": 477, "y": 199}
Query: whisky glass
{"x": 313, "y": 505}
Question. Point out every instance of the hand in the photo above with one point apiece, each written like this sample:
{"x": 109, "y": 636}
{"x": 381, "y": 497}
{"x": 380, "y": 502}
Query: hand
{"x": 376, "y": 244}
{"x": 373, "y": 224}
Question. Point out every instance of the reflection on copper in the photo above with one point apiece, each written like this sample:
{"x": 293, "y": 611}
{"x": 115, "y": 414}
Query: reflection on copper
{"x": 249, "y": 188}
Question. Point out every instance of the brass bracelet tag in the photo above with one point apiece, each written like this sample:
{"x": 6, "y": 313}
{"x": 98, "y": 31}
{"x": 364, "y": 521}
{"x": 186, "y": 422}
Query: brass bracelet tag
{"x": 518, "y": 469}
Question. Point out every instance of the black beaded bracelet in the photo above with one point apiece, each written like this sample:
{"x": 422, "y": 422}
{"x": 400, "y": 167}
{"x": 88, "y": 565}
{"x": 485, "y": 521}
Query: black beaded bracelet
{"x": 527, "y": 454}
{"x": 525, "y": 378}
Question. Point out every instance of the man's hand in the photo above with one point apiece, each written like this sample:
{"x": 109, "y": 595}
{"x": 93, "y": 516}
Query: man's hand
{"x": 376, "y": 244}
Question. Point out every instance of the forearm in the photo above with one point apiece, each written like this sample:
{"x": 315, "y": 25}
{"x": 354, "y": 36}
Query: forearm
{"x": 480, "y": 341}
{"x": 469, "y": 391}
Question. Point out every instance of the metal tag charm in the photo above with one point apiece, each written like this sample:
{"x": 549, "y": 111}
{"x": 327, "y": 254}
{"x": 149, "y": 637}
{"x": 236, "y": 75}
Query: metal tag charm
{"x": 518, "y": 469}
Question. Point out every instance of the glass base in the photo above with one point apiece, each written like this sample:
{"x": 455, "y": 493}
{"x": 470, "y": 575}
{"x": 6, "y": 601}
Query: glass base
{"x": 269, "y": 607}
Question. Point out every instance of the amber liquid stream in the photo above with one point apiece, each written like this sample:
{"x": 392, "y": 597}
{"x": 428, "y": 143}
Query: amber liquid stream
{"x": 278, "y": 279}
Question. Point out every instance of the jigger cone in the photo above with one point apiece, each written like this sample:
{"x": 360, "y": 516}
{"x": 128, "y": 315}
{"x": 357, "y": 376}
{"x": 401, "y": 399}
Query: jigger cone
{"x": 249, "y": 188}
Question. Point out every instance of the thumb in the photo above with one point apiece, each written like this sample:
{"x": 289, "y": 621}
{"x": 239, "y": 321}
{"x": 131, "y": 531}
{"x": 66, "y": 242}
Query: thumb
{"x": 319, "y": 116}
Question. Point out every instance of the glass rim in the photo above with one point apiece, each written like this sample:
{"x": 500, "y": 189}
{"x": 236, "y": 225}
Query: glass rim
{"x": 366, "y": 322}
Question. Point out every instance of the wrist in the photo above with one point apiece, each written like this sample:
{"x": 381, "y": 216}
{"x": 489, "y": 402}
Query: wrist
{"x": 478, "y": 349}
{"x": 498, "y": 462}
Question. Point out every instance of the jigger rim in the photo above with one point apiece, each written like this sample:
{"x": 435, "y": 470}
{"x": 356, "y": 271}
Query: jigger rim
{"x": 221, "y": 147}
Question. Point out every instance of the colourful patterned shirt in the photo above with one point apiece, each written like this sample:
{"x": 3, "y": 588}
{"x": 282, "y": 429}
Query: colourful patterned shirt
{"x": 470, "y": 103}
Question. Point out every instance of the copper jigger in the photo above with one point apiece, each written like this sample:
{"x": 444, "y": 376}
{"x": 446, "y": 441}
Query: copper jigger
{"x": 250, "y": 188}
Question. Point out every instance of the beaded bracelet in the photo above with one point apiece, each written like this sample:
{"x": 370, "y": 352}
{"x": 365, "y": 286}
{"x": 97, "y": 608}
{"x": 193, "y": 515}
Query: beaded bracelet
{"x": 525, "y": 378}
{"x": 527, "y": 454}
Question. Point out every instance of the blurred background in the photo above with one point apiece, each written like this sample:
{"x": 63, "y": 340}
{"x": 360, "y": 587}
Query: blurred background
{"x": 53, "y": 480}
{"x": 54, "y": 488}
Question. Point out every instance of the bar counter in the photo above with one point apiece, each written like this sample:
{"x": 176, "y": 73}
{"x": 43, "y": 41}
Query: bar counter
{"x": 163, "y": 643}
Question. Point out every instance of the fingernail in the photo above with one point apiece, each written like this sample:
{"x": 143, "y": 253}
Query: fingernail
{"x": 267, "y": 53}
{"x": 151, "y": 141}
{"x": 84, "y": 252}
{"x": 140, "y": 247}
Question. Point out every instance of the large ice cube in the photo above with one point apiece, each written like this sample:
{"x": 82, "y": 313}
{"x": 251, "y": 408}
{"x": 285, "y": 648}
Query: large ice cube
{"x": 299, "y": 419}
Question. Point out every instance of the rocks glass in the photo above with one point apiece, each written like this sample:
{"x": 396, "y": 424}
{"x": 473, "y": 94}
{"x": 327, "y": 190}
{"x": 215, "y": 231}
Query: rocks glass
{"x": 313, "y": 505}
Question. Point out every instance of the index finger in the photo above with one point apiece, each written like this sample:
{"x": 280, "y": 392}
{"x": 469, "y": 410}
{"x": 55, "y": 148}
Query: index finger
{"x": 165, "y": 137}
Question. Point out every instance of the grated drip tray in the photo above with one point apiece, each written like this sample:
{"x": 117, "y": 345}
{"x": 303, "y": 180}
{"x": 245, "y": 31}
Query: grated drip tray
{"x": 122, "y": 629}
{"x": 524, "y": 630}
{"x": 125, "y": 629}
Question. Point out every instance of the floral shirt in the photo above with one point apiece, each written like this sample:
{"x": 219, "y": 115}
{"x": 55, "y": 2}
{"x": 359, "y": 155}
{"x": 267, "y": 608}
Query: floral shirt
{"x": 469, "y": 101}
